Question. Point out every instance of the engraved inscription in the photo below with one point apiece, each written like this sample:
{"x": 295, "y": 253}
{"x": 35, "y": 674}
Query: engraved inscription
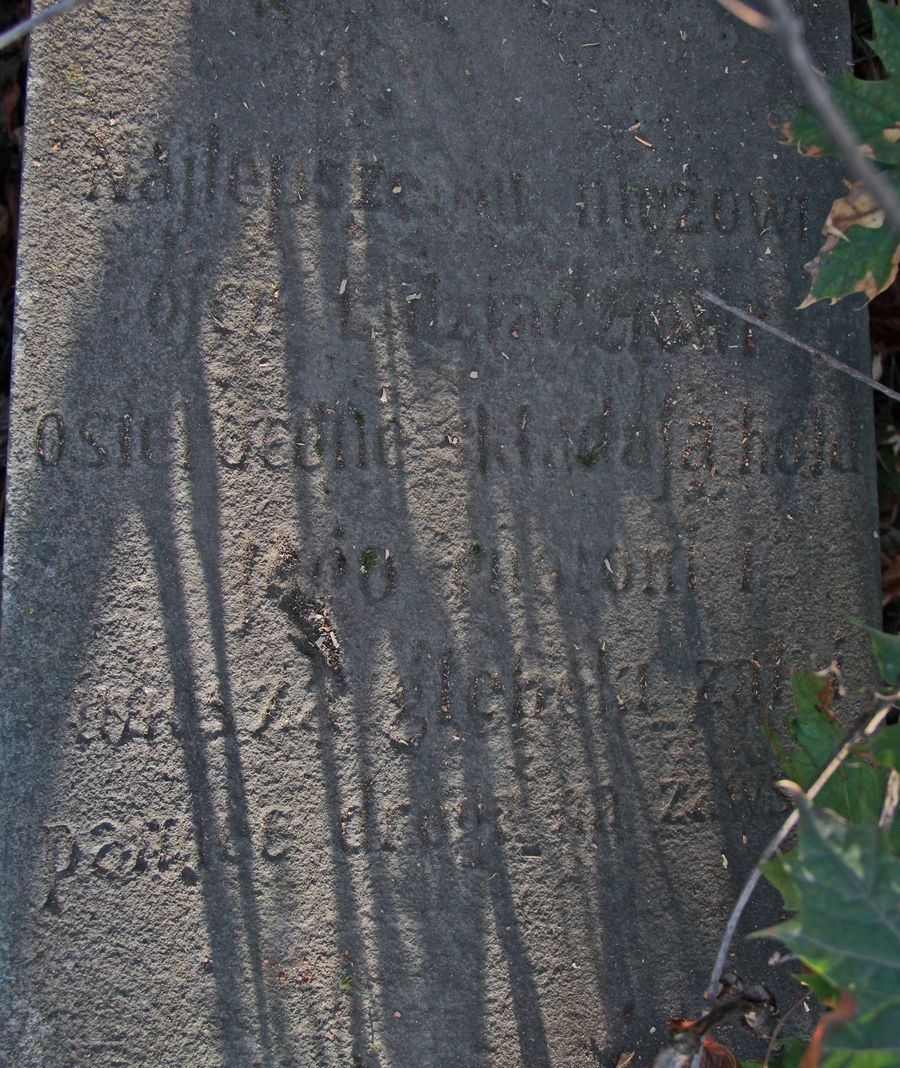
{"x": 187, "y": 177}
{"x": 485, "y": 696}
{"x": 102, "y": 440}
{"x": 342, "y": 437}
{"x": 157, "y": 847}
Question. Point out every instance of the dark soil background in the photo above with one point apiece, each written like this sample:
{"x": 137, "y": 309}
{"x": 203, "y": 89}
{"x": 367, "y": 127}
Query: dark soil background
{"x": 884, "y": 320}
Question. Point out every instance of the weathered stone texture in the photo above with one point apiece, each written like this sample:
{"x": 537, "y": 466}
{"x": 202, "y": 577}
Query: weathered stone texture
{"x": 399, "y": 557}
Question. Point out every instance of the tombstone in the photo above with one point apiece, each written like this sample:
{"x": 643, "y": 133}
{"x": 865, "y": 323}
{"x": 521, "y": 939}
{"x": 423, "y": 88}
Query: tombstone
{"x": 400, "y": 556}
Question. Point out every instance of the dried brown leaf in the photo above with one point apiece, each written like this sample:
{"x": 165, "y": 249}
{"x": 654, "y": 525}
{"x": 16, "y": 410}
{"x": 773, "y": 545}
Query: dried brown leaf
{"x": 858, "y": 208}
{"x": 714, "y": 1054}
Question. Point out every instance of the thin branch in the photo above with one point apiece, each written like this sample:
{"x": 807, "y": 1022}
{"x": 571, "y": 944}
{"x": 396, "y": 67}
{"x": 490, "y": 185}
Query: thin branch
{"x": 891, "y": 801}
{"x": 779, "y": 1027}
{"x": 687, "y": 1038}
{"x": 854, "y": 739}
{"x": 748, "y": 14}
{"x": 22, "y": 29}
{"x": 788, "y": 28}
{"x": 832, "y": 361}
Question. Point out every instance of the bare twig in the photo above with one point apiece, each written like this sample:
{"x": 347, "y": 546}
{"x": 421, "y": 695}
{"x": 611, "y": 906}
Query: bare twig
{"x": 832, "y": 361}
{"x": 747, "y": 14}
{"x": 854, "y": 739}
{"x": 779, "y": 1027}
{"x": 782, "y": 24}
{"x": 891, "y": 800}
{"x": 687, "y": 1039}
{"x": 22, "y": 29}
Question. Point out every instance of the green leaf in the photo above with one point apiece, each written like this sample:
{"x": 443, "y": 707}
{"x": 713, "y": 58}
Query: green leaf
{"x": 775, "y": 871}
{"x": 846, "y": 928}
{"x": 813, "y": 727}
{"x": 871, "y": 107}
{"x": 886, "y": 648}
{"x": 885, "y": 746}
{"x": 866, "y": 1042}
{"x": 861, "y": 253}
{"x": 856, "y": 790}
{"x": 824, "y": 990}
{"x": 886, "y": 42}
{"x": 870, "y": 1040}
{"x": 864, "y": 261}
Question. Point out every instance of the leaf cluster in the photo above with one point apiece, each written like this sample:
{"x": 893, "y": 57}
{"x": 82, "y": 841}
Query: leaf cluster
{"x": 841, "y": 880}
{"x": 861, "y": 252}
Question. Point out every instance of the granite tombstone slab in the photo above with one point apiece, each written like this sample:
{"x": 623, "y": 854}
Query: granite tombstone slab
{"x": 399, "y": 557}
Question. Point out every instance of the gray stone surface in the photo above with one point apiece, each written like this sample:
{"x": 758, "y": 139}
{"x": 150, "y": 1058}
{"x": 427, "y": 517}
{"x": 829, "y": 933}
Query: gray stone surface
{"x": 398, "y": 559}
